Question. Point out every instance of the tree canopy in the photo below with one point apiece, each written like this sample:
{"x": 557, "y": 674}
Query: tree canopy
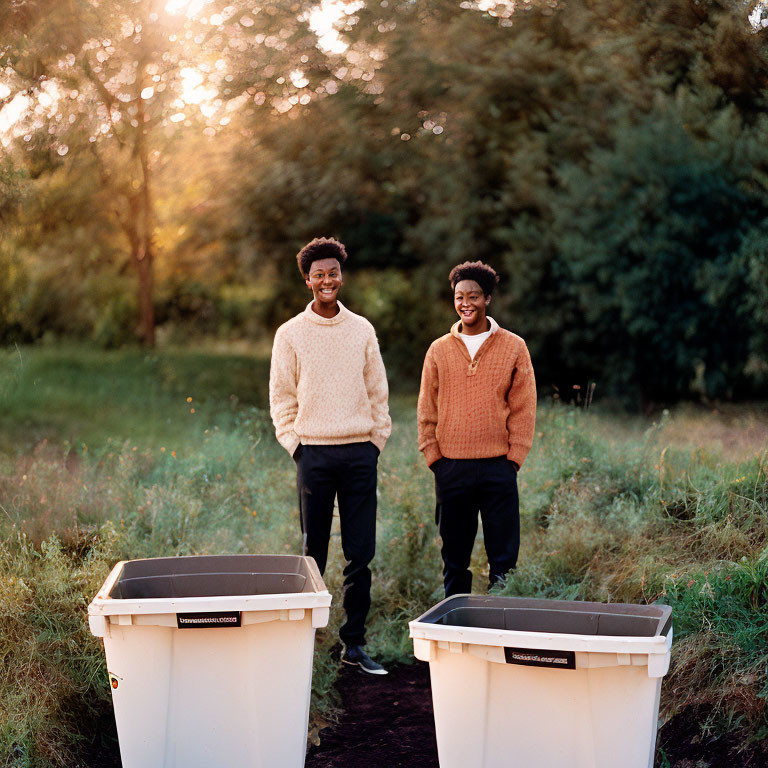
{"x": 164, "y": 161}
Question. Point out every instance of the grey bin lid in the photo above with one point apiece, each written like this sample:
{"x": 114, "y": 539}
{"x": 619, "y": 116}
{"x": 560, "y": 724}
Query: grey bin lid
{"x": 212, "y": 576}
{"x": 558, "y": 616}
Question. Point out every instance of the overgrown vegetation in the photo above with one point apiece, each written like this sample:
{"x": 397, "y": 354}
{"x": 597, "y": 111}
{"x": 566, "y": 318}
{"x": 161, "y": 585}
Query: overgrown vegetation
{"x": 113, "y": 463}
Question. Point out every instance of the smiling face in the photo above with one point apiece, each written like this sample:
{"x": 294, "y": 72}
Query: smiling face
{"x": 471, "y": 303}
{"x": 324, "y": 280}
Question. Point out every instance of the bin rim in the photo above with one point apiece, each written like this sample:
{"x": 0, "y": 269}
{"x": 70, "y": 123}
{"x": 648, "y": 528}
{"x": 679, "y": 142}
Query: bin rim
{"x": 104, "y": 605}
{"x": 511, "y": 638}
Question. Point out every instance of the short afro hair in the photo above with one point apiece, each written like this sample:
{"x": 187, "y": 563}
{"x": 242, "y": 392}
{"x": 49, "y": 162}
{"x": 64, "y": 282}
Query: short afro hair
{"x": 320, "y": 248}
{"x": 482, "y": 274}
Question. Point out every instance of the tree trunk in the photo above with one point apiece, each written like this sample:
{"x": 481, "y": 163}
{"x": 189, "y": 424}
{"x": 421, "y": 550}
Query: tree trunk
{"x": 145, "y": 271}
{"x": 144, "y": 257}
{"x": 140, "y": 241}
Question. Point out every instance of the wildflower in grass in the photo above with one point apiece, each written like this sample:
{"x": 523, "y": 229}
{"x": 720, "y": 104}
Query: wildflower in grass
{"x": 173, "y": 453}
{"x": 191, "y": 410}
{"x": 189, "y": 399}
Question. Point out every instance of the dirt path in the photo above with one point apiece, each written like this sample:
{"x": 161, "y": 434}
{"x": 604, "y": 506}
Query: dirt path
{"x": 387, "y": 722}
{"x": 684, "y": 747}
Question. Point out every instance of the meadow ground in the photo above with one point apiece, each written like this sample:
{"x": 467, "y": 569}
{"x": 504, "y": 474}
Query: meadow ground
{"x": 107, "y": 456}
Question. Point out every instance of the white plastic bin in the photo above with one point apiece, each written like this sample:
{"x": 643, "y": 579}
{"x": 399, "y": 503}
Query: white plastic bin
{"x": 210, "y": 658}
{"x": 522, "y": 683}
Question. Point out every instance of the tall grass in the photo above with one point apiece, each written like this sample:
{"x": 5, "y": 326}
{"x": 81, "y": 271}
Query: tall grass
{"x": 109, "y": 458}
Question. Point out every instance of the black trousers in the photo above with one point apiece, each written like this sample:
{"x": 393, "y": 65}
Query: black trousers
{"x": 348, "y": 472}
{"x": 463, "y": 488}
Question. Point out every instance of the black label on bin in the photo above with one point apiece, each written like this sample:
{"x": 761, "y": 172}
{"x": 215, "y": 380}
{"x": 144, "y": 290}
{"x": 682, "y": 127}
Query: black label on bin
{"x": 532, "y": 657}
{"x": 207, "y": 620}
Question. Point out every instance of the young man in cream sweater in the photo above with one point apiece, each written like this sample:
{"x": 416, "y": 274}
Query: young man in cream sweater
{"x": 476, "y": 416}
{"x": 328, "y": 401}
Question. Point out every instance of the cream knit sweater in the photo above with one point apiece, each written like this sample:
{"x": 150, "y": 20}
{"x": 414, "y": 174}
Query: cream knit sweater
{"x": 327, "y": 383}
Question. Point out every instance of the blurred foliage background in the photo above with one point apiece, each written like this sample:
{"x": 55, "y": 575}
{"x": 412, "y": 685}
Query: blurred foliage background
{"x": 164, "y": 160}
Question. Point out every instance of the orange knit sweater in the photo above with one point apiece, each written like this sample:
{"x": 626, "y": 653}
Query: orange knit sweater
{"x": 481, "y": 408}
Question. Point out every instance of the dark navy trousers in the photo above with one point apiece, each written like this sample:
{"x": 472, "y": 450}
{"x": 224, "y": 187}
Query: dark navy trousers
{"x": 346, "y": 472}
{"x": 464, "y": 487}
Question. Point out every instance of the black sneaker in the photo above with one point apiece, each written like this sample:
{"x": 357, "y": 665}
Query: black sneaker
{"x": 357, "y": 657}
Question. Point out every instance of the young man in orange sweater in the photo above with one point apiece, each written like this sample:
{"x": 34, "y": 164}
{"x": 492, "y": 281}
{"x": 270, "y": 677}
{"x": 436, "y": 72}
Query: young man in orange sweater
{"x": 328, "y": 400}
{"x": 476, "y": 417}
